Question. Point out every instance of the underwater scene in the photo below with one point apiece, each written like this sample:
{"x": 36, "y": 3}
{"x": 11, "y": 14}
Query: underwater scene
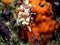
{"x": 29, "y": 22}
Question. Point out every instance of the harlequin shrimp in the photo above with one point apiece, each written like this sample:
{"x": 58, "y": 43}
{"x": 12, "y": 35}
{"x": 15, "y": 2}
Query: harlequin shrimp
{"x": 23, "y": 18}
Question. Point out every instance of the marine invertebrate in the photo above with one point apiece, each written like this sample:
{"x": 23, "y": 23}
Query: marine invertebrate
{"x": 44, "y": 22}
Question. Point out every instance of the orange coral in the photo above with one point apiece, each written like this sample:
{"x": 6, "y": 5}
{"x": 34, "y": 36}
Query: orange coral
{"x": 44, "y": 14}
{"x": 6, "y": 1}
